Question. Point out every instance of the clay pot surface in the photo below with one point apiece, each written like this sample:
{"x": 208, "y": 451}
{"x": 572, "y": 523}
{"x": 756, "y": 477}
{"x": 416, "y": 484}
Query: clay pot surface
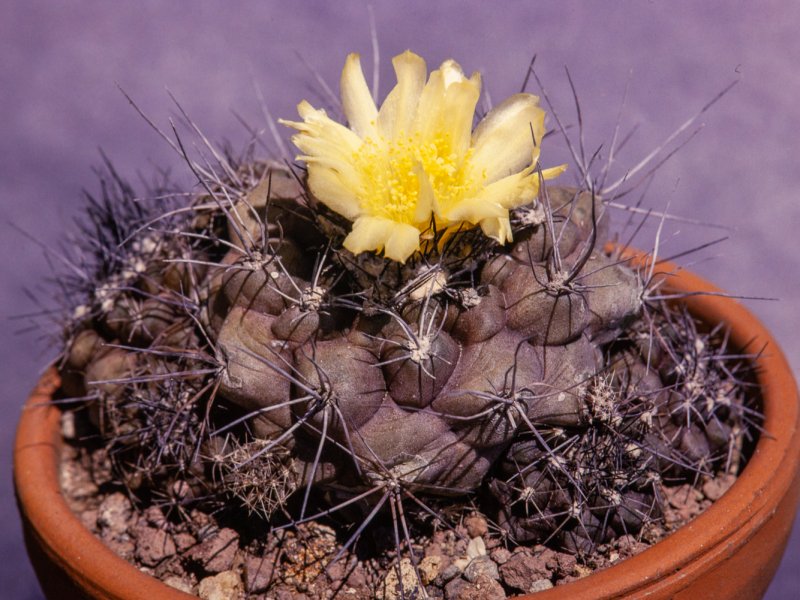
{"x": 731, "y": 551}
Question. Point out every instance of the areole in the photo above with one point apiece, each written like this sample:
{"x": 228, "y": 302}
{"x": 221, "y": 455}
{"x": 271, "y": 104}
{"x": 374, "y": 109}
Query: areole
{"x": 730, "y": 551}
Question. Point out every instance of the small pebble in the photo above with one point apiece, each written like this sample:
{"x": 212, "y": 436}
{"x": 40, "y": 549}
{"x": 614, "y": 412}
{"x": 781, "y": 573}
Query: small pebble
{"x": 450, "y": 572}
{"x": 216, "y": 552}
{"x": 476, "y": 526}
{"x": 258, "y": 572}
{"x": 223, "y": 586}
{"x": 429, "y": 568}
{"x": 500, "y": 555}
{"x": 482, "y": 566}
{"x": 184, "y": 541}
{"x": 715, "y": 488}
{"x": 484, "y": 588}
{"x": 476, "y": 547}
{"x": 179, "y": 583}
{"x": 153, "y": 545}
{"x": 395, "y": 587}
{"x": 114, "y": 513}
{"x": 540, "y": 585}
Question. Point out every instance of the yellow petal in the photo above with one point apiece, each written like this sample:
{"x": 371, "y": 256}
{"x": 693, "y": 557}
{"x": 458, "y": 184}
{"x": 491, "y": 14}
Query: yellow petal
{"x": 553, "y": 172}
{"x": 403, "y": 242}
{"x": 493, "y": 200}
{"x": 514, "y": 190}
{"x": 472, "y": 210}
{"x": 451, "y": 72}
{"x": 335, "y": 190}
{"x": 426, "y": 198}
{"x": 328, "y": 149}
{"x": 398, "y": 110}
{"x": 519, "y": 188}
{"x": 357, "y": 102}
{"x": 447, "y": 106}
{"x": 368, "y": 233}
{"x": 459, "y": 112}
{"x": 374, "y": 233}
{"x": 499, "y": 229}
{"x": 429, "y": 108}
{"x": 321, "y": 136}
{"x": 506, "y": 138}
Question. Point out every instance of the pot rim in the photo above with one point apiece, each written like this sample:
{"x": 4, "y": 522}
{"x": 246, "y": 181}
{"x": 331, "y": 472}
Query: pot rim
{"x": 672, "y": 563}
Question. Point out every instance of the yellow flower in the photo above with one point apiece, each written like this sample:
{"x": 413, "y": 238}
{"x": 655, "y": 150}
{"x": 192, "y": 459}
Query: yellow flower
{"x": 396, "y": 170}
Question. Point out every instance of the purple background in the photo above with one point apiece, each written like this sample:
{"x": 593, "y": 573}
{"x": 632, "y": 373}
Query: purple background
{"x": 59, "y": 103}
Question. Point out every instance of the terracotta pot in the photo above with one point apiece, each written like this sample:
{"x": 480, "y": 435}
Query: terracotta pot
{"x": 730, "y": 551}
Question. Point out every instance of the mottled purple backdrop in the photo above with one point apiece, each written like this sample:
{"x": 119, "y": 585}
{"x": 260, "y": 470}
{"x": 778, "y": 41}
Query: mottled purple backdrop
{"x": 59, "y": 103}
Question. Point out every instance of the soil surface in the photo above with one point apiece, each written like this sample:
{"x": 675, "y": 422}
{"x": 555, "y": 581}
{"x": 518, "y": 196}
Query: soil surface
{"x": 198, "y": 553}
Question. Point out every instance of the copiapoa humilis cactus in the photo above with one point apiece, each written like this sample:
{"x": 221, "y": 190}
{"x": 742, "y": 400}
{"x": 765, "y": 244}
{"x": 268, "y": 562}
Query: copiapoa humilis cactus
{"x": 411, "y": 322}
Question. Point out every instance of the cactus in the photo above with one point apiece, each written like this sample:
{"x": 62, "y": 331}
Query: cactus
{"x": 409, "y": 317}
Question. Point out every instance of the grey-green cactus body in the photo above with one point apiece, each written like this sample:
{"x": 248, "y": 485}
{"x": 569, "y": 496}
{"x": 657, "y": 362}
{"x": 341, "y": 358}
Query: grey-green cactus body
{"x": 256, "y": 358}
{"x": 433, "y": 388}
